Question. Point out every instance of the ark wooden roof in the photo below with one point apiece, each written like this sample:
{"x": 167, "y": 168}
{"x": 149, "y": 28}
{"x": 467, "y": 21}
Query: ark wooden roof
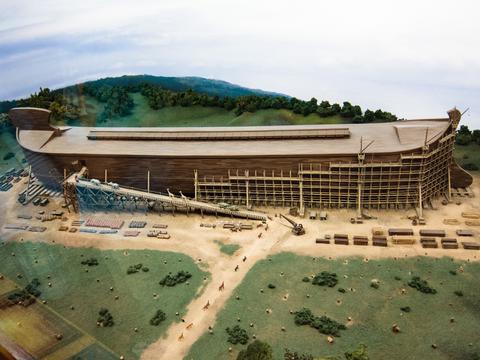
{"x": 399, "y": 136}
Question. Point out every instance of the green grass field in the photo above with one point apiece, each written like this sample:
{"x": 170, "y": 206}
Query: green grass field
{"x": 73, "y": 286}
{"x": 467, "y": 154}
{"x": 373, "y": 311}
{"x": 142, "y": 115}
{"x": 228, "y": 249}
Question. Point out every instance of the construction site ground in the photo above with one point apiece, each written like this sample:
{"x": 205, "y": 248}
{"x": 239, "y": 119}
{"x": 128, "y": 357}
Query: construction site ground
{"x": 187, "y": 236}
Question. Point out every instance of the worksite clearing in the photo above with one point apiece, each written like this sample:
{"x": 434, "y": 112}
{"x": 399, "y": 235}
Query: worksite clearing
{"x": 219, "y": 274}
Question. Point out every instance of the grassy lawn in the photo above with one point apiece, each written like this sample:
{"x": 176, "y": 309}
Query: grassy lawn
{"x": 373, "y": 311}
{"x": 228, "y": 249}
{"x": 467, "y": 154}
{"x": 73, "y": 286}
{"x": 8, "y": 143}
{"x": 142, "y": 115}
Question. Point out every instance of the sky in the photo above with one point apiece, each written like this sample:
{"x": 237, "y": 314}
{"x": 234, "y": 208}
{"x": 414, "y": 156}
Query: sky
{"x": 415, "y": 58}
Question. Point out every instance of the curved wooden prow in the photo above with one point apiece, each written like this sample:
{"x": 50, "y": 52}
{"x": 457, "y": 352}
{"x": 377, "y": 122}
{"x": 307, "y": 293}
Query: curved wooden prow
{"x": 29, "y": 118}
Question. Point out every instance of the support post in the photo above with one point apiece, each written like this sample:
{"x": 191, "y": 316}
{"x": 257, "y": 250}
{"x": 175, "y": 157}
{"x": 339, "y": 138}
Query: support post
{"x": 449, "y": 190}
{"x": 302, "y": 209}
{"x": 106, "y": 175}
{"x": 195, "y": 172}
{"x": 420, "y": 200}
{"x": 148, "y": 181}
{"x": 247, "y": 197}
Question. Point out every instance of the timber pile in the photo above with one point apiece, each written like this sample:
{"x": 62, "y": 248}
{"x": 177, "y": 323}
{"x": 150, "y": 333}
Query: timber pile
{"x": 322, "y": 241}
{"x": 360, "y": 240}
{"x": 134, "y": 224}
{"x": 37, "y": 228}
{"x": 63, "y": 228}
{"x": 156, "y": 233}
{"x": 87, "y": 230}
{"x": 471, "y": 245}
{"x": 434, "y": 233}
{"x": 397, "y": 231}
{"x": 24, "y": 216}
{"x": 472, "y": 222}
{"x": 463, "y": 232}
{"x": 429, "y": 242}
{"x": 165, "y": 237}
{"x": 105, "y": 223}
{"x": 109, "y": 231}
{"x": 403, "y": 240}
{"x": 470, "y": 215}
{"x": 160, "y": 226}
{"x": 131, "y": 233}
{"x": 451, "y": 222}
{"x": 16, "y": 226}
{"x": 449, "y": 243}
{"x": 379, "y": 241}
{"x": 77, "y": 222}
{"x": 378, "y": 231}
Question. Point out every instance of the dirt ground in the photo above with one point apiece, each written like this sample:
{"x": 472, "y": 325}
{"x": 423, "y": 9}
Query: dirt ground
{"x": 187, "y": 236}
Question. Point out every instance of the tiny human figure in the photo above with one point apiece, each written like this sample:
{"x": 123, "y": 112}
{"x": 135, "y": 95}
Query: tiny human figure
{"x": 236, "y": 268}
{"x": 206, "y": 305}
{"x": 244, "y": 259}
{"x": 180, "y": 337}
{"x": 189, "y": 326}
{"x": 221, "y": 287}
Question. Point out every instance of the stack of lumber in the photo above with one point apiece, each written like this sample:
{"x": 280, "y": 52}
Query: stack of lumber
{"x": 63, "y": 228}
{"x": 429, "y": 242}
{"x": 434, "y": 233}
{"x": 472, "y": 222}
{"x": 137, "y": 224}
{"x": 399, "y": 231}
{"x": 77, "y": 222}
{"x": 471, "y": 245}
{"x": 360, "y": 240}
{"x": 322, "y": 241}
{"x": 16, "y": 226}
{"x": 403, "y": 240}
{"x": 449, "y": 243}
{"x": 471, "y": 215}
{"x": 160, "y": 226}
{"x": 131, "y": 233}
{"x": 378, "y": 231}
{"x": 451, "y": 222}
{"x": 37, "y": 228}
{"x": 340, "y": 239}
{"x": 105, "y": 223}
{"x": 379, "y": 240}
{"x": 463, "y": 232}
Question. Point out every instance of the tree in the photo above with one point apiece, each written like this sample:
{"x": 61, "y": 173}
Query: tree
{"x": 257, "y": 350}
{"x": 463, "y": 139}
{"x": 359, "y": 354}
{"x": 476, "y": 136}
{"x": 289, "y": 355}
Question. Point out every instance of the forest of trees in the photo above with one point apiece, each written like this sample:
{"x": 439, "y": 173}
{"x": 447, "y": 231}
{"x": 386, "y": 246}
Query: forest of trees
{"x": 465, "y": 136}
{"x": 159, "y": 98}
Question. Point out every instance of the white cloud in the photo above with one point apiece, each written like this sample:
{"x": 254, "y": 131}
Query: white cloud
{"x": 416, "y": 58}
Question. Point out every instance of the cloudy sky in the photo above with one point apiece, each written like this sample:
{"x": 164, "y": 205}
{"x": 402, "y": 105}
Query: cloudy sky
{"x": 416, "y": 58}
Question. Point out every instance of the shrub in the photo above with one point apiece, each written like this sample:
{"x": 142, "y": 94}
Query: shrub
{"x": 158, "y": 318}
{"x": 289, "y": 355}
{"x": 306, "y": 279}
{"x": 257, "y": 350}
{"x": 453, "y": 272}
{"x": 375, "y": 284}
{"x": 145, "y": 269}
{"x": 458, "y": 293}
{"x": 398, "y": 278}
{"x": 132, "y": 269}
{"x": 237, "y": 335}
{"x": 470, "y": 166}
{"x": 421, "y": 285}
{"x": 303, "y": 317}
{"x": 90, "y": 262}
{"x": 180, "y": 277}
{"x": 105, "y": 319}
{"x": 406, "y": 309}
{"x": 27, "y": 295}
{"x": 323, "y": 324}
{"x": 271, "y": 286}
{"x": 8, "y": 156}
{"x": 359, "y": 354}
{"x": 325, "y": 278}
{"x": 341, "y": 290}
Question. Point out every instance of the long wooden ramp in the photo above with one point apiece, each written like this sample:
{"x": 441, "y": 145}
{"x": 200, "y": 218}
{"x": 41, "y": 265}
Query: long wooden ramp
{"x": 169, "y": 200}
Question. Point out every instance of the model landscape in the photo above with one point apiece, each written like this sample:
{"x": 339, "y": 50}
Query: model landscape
{"x": 164, "y": 218}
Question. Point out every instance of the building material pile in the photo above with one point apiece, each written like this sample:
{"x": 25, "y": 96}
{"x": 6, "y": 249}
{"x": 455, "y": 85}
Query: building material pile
{"x": 449, "y": 243}
{"x": 104, "y": 222}
{"x": 360, "y": 240}
{"x": 131, "y": 233}
{"x": 322, "y": 241}
{"x": 463, "y": 232}
{"x": 160, "y": 226}
{"x": 471, "y": 245}
{"x": 403, "y": 240}
{"x": 37, "y": 228}
{"x": 472, "y": 222}
{"x": 340, "y": 239}
{"x": 451, "y": 222}
{"x": 471, "y": 215}
{"x": 399, "y": 231}
{"x": 16, "y": 226}
{"x": 429, "y": 242}
{"x": 434, "y": 233}
{"x": 134, "y": 224}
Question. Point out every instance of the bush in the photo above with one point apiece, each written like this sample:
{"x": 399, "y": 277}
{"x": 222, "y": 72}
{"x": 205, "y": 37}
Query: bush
{"x": 323, "y": 324}
{"x": 421, "y": 285}
{"x": 237, "y": 335}
{"x": 341, "y": 290}
{"x": 27, "y": 295}
{"x": 132, "y": 269}
{"x": 289, "y": 355}
{"x": 180, "y": 277}
{"x": 303, "y": 317}
{"x": 470, "y": 166}
{"x": 453, "y": 272}
{"x": 306, "y": 279}
{"x": 325, "y": 278}
{"x": 271, "y": 286}
{"x": 145, "y": 269}
{"x": 90, "y": 262}
{"x": 406, "y": 309}
{"x": 398, "y": 278}
{"x": 158, "y": 318}
{"x": 375, "y": 284}
{"x": 8, "y": 156}
{"x": 359, "y": 354}
{"x": 458, "y": 293}
{"x": 105, "y": 319}
{"x": 257, "y": 350}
